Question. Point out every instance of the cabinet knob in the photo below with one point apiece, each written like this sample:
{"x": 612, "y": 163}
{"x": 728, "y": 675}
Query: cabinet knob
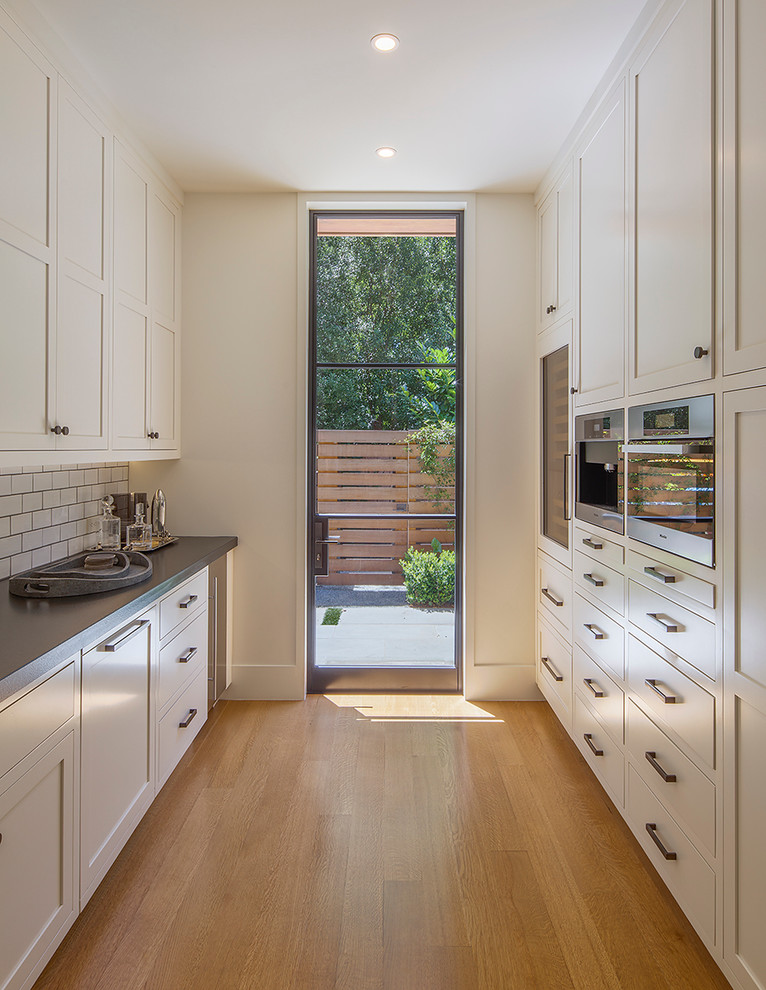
{"x": 60, "y": 430}
{"x": 573, "y": 391}
{"x": 153, "y": 436}
{"x": 700, "y": 352}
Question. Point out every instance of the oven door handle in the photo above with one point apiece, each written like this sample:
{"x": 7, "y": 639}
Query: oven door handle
{"x": 677, "y": 449}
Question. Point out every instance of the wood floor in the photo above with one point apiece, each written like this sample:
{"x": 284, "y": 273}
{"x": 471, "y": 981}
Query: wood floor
{"x": 367, "y": 843}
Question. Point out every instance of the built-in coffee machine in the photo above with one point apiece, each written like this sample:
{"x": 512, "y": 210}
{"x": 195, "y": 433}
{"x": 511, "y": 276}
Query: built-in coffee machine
{"x": 600, "y": 482}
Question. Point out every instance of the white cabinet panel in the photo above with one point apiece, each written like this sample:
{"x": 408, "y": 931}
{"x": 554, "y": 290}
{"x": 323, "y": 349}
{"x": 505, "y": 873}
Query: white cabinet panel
{"x": 603, "y": 754}
{"x": 25, "y": 162}
{"x": 548, "y": 232}
{"x": 672, "y": 105}
{"x": 745, "y": 141}
{"x": 129, "y": 379}
{"x": 602, "y": 257}
{"x": 81, "y": 364}
{"x": 28, "y": 722}
{"x": 163, "y": 262}
{"x": 37, "y": 865}
{"x": 162, "y": 415}
{"x": 130, "y": 205}
{"x": 555, "y": 243}
{"x": 117, "y": 740}
{"x": 25, "y": 347}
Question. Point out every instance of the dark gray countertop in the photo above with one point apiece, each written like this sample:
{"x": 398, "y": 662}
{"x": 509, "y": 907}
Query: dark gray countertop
{"x": 36, "y": 636}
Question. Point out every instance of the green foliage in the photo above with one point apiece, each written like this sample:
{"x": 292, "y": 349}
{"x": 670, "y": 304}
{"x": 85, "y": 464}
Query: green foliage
{"x": 429, "y": 577}
{"x": 432, "y": 400}
{"x": 332, "y": 616}
{"x": 436, "y": 445}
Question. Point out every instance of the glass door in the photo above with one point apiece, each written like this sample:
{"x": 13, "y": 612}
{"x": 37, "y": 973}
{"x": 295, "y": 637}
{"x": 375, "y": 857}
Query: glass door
{"x": 385, "y": 452}
{"x": 556, "y": 456}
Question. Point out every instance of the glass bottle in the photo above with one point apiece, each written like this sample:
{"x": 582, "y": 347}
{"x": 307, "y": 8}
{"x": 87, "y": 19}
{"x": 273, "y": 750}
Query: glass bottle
{"x": 109, "y": 526}
{"x": 139, "y": 533}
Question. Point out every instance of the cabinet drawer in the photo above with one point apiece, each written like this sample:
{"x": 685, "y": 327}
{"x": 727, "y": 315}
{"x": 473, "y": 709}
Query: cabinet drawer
{"x": 687, "y": 794}
{"x": 603, "y": 755}
{"x": 182, "y": 657}
{"x": 554, "y": 662}
{"x": 554, "y": 591}
{"x": 180, "y": 604}
{"x": 604, "y": 583}
{"x": 180, "y": 725}
{"x": 599, "y": 548}
{"x": 601, "y": 693}
{"x": 671, "y": 580}
{"x": 690, "y": 879}
{"x": 599, "y": 635}
{"x": 678, "y": 629}
{"x": 691, "y": 713}
{"x": 31, "y": 719}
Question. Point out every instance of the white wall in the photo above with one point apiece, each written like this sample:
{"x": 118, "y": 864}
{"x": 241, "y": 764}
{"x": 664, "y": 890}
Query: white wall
{"x": 240, "y": 468}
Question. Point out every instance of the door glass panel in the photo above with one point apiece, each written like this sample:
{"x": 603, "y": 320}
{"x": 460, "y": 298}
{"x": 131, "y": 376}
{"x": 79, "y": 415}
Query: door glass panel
{"x": 555, "y": 389}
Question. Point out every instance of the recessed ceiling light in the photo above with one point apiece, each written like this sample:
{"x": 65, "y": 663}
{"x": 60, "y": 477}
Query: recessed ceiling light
{"x": 385, "y": 152}
{"x": 385, "y": 42}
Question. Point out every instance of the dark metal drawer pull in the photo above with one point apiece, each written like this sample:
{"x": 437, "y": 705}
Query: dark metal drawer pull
{"x": 669, "y": 778}
{"x": 588, "y": 542}
{"x": 598, "y": 582}
{"x": 592, "y": 628}
{"x": 551, "y": 598}
{"x": 192, "y": 652}
{"x": 589, "y": 740}
{"x": 651, "y": 828}
{"x": 668, "y": 699}
{"x": 588, "y": 681}
{"x": 187, "y": 721}
{"x": 665, "y": 578}
{"x": 115, "y": 644}
{"x": 189, "y": 601}
{"x": 669, "y": 627}
{"x": 551, "y": 669}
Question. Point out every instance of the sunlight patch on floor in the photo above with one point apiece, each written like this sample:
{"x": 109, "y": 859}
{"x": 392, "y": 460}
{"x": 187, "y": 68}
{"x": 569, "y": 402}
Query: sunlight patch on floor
{"x": 414, "y": 707}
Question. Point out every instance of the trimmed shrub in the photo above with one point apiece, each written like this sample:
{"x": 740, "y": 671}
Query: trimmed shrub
{"x": 429, "y": 576}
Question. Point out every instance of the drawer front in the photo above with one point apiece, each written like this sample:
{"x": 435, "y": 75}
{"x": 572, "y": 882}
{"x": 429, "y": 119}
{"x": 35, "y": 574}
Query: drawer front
{"x": 603, "y": 755}
{"x": 690, "y": 713}
{"x": 600, "y": 581}
{"x": 599, "y": 635}
{"x": 601, "y": 693}
{"x": 690, "y": 879}
{"x": 182, "y": 657}
{"x": 678, "y": 629}
{"x": 180, "y": 725}
{"x": 684, "y": 789}
{"x": 671, "y": 581}
{"x": 554, "y": 664}
{"x": 181, "y": 603}
{"x": 599, "y": 548}
{"x": 31, "y": 719}
{"x": 554, "y": 591}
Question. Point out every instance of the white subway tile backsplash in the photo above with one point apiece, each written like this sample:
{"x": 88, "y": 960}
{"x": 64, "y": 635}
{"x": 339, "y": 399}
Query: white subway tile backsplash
{"x": 50, "y": 512}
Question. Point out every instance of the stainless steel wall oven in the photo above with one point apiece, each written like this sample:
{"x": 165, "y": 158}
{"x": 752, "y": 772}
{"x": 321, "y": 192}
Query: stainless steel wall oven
{"x": 599, "y": 471}
{"x": 670, "y": 464}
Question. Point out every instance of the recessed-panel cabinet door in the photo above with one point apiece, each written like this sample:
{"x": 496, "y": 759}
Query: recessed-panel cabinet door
{"x": 129, "y": 377}
{"x": 81, "y": 365}
{"x": 744, "y": 477}
{"x": 673, "y": 113}
{"x": 745, "y": 142}
{"x": 37, "y": 875}
{"x": 162, "y": 420}
{"x": 163, "y": 263}
{"x": 603, "y": 245}
{"x": 547, "y": 235}
{"x": 130, "y": 206}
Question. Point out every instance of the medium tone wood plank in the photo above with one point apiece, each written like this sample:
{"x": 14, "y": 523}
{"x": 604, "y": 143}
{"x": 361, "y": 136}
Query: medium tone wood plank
{"x": 382, "y": 843}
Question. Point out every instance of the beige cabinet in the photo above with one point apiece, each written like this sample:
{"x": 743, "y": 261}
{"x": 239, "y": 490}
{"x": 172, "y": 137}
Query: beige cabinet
{"x": 673, "y": 147}
{"x": 602, "y": 258}
{"x": 744, "y": 340}
{"x": 745, "y": 682}
{"x": 118, "y": 739}
{"x": 556, "y": 251}
{"x": 146, "y": 310}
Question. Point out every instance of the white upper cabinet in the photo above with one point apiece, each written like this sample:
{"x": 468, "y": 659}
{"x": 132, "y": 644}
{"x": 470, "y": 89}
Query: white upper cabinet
{"x": 555, "y": 243}
{"x": 744, "y": 339}
{"x": 672, "y": 133}
{"x": 82, "y": 327}
{"x": 601, "y": 184}
{"x": 27, "y": 238}
{"x": 146, "y": 310}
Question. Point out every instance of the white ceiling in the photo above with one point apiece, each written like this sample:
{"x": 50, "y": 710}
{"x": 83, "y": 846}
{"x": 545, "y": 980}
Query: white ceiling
{"x": 236, "y": 95}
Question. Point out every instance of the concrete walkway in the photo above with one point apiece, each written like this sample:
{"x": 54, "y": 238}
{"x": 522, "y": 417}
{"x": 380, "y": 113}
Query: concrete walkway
{"x": 386, "y": 636}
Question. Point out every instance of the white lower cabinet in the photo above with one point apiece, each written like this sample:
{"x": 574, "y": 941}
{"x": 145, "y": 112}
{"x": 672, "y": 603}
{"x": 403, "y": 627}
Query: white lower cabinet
{"x": 180, "y": 724}
{"x": 117, "y": 745}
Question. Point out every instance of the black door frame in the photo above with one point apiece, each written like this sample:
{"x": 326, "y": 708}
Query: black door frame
{"x": 368, "y": 680}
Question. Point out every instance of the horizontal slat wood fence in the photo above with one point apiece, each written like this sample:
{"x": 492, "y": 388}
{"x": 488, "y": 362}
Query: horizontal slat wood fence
{"x": 375, "y": 471}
